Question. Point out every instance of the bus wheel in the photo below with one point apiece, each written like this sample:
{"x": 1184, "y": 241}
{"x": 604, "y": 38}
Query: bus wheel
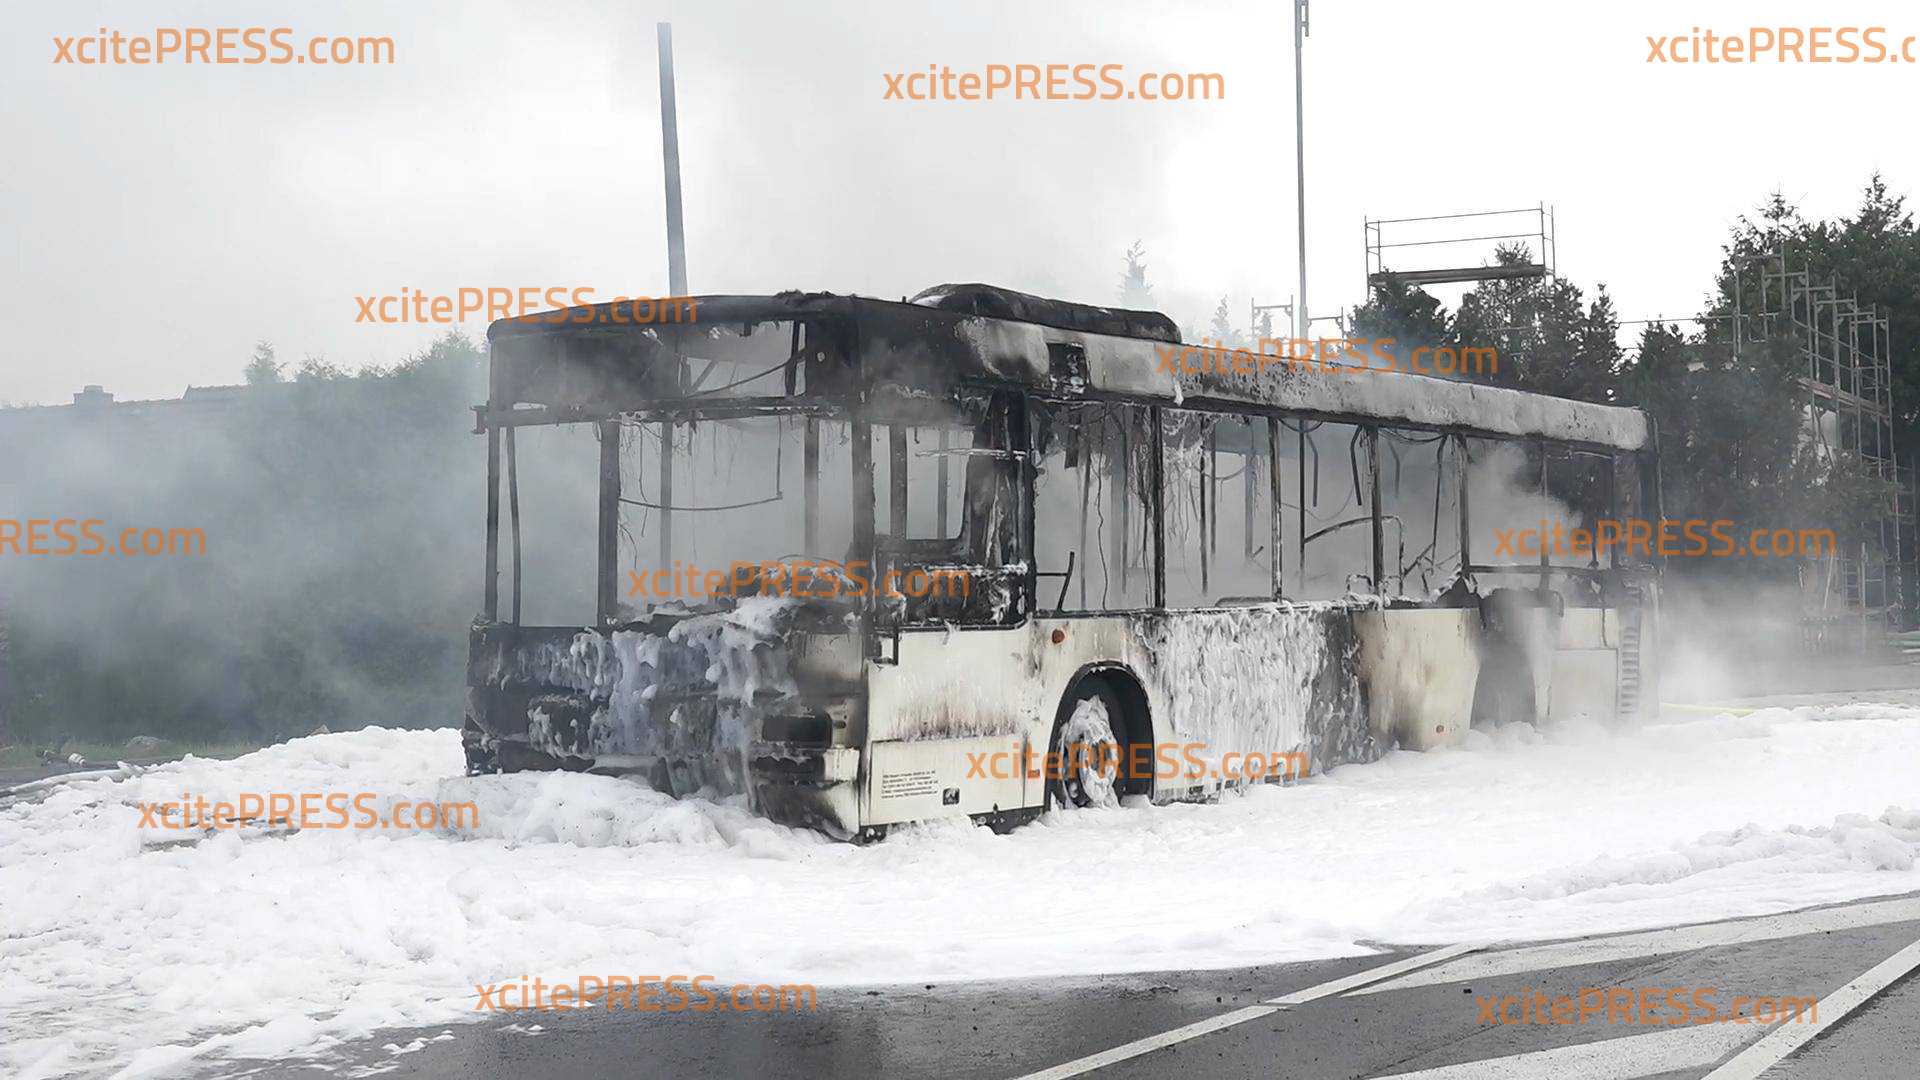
{"x": 1084, "y": 761}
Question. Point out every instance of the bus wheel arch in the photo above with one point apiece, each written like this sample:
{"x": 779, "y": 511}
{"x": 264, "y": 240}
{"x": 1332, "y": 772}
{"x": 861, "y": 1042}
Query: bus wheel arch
{"x": 1125, "y": 704}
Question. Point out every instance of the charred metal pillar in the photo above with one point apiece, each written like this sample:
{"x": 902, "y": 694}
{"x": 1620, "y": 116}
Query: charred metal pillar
{"x": 1273, "y": 511}
{"x": 1156, "y": 503}
{"x": 863, "y": 515}
{"x": 490, "y": 606}
{"x": 1301, "y": 495}
{"x": 1462, "y": 460}
{"x": 513, "y": 518}
{"x": 1650, "y": 504}
{"x": 1613, "y": 504}
{"x": 810, "y": 465}
{"x": 666, "y": 493}
{"x": 1082, "y": 434}
{"x": 897, "y": 482}
{"x": 940, "y": 488}
{"x": 1379, "y": 524}
{"x": 1213, "y": 485}
{"x": 1020, "y": 440}
{"x": 1546, "y": 575}
{"x": 1122, "y": 505}
{"x": 1250, "y": 487}
{"x": 608, "y": 594}
{"x": 1207, "y": 478}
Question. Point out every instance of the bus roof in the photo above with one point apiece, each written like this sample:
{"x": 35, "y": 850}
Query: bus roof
{"x": 953, "y": 334}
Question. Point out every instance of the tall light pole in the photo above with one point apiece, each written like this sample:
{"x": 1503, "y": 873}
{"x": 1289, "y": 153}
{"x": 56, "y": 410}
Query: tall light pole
{"x": 670, "y": 157}
{"x": 1300, "y": 154}
{"x": 676, "y": 267}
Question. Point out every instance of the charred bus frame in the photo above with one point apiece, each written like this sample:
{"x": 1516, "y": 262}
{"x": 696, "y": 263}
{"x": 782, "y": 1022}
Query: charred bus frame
{"x": 834, "y": 750}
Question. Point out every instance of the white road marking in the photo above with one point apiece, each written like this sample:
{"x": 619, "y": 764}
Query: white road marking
{"x": 1608, "y": 1059}
{"x": 1833, "y": 1008}
{"x": 1151, "y": 1043}
{"x": 1622, "y": 1058}
{"x": 1252, "y": 1012}
{"x": 1372, "y": 975}
{"x": 1655, "y": 943}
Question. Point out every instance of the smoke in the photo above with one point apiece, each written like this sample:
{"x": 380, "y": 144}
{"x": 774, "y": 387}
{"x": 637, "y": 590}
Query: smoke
{"x": 341, "y": 564}
{"x": 344, "y": 531}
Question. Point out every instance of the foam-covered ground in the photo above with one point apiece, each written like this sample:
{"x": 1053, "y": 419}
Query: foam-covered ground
{"x": 129, "y": 952}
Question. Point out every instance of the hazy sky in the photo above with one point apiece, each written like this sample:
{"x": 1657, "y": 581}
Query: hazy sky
{"x": 161, "y": 219}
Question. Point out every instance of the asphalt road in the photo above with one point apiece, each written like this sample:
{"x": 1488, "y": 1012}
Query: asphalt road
{"x": 1424, "y": 1023}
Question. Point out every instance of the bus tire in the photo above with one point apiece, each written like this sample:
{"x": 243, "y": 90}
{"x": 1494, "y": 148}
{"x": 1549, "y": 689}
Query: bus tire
{"x": 1086, "y": 755}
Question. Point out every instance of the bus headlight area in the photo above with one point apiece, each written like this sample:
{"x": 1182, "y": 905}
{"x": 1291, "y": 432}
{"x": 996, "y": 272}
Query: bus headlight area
{"x": 1271, "y": 563}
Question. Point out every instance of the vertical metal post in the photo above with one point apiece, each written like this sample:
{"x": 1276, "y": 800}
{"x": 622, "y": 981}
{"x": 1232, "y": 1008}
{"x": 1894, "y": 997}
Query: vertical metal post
{"x": 608, "y": 595}
{"x": 491, "y": 592}
{"x": 1249, "y": 489}
{"x": 1300, "y": 149}
{"x": 1206, "y": 485}
{"x": 1081, "y": 435}
{"x": 1156, "y": 505}
{"x": 670, "y": 157}
{"x": 513, "y": 519}
{"x": 1213, "y": 485}
{"x": 1613, "y": 506}
{"x": 1544, "y": 573}
{"x": 862, "y": 480}
{"x": 676, "y": 267}
{"x": 1301, "y": 504}
{"x": 1025, "y": 470}
{"x": 1379, "y": 524}
{"x": 941, "y": 491}
{"x": 810, "y": 483}
{"x": 666, "y": 495}
{"x": 1122, "y": 504}
{"x": 897, "y": 482}
{"x": 1273, "y": 510}
{"x": 1462, "y": 460}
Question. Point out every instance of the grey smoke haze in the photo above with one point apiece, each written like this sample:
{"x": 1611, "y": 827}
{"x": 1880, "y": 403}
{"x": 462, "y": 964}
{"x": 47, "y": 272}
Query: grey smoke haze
{"x": 178, "y": 214}
{"x": 341, "y": 562}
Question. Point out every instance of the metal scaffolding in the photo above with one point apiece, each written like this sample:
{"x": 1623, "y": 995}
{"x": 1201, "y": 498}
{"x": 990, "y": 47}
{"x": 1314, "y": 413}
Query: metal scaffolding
{"x": 1435, "y": 235}
{"x": 1855, "y": 595}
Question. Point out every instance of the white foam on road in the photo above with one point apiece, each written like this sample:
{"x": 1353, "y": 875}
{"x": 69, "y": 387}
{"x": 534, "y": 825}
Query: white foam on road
{"x": 120, "y": 953}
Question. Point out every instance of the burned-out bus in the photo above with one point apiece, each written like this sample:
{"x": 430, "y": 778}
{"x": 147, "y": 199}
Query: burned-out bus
{"x": 689, "y": 525}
